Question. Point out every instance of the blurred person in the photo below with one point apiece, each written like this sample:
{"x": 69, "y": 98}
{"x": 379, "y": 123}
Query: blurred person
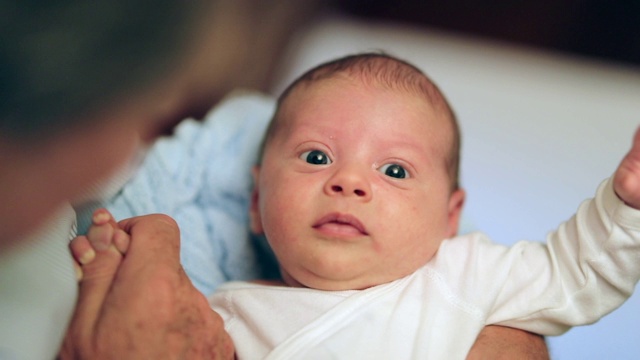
{"x": 84, "y": 86}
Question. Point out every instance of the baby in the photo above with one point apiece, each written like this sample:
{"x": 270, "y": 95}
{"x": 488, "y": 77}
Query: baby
{"x": 357, "y": 193}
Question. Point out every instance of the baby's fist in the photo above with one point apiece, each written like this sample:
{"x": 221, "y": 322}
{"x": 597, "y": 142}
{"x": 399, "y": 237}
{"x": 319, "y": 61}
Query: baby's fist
{"x": 626, "y": 181}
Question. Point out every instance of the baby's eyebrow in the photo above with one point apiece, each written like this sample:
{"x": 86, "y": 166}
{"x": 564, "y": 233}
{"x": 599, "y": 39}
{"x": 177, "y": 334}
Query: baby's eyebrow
{"x": 307, "y": 133}
{"x": 432, "y": 154}
{"x": 402, "y": 144}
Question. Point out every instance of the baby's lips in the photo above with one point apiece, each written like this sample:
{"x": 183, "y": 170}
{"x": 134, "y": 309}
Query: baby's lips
{"x": 343, "y": 219}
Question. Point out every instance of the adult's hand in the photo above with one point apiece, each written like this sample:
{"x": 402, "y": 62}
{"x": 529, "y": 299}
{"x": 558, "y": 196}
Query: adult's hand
{"x": 142, "y": 305}
{"x": 498, "y": 342}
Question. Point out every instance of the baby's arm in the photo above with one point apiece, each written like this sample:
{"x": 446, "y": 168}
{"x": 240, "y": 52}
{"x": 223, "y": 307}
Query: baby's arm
{"x": 626, "y": 181}
{"x": 590, "y": 264}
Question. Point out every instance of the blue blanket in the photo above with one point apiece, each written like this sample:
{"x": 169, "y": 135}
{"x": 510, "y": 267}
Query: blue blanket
{"x": 201, "y": 177}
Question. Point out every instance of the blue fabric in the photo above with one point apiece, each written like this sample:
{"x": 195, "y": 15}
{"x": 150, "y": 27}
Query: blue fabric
{"x": 201, "y": 176}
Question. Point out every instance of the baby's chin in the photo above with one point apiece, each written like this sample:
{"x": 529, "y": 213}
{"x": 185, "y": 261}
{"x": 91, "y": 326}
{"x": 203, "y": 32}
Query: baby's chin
{"x": 333, "y": 284}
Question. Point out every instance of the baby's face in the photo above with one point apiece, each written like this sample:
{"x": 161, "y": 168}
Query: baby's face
{"x": 353, "y": 190}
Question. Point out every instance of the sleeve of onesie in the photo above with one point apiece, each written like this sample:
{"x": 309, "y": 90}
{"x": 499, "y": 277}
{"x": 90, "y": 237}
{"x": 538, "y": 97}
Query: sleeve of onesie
{"x": 588, "y": 267}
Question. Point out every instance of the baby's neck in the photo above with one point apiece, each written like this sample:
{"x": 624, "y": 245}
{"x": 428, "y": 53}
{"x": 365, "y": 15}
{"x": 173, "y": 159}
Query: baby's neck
{"x": 270, "y": 282}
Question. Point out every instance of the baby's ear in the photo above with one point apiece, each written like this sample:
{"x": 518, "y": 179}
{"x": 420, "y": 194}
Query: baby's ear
{"x": 255, "y": 221}
{"x": 456, "y": 202}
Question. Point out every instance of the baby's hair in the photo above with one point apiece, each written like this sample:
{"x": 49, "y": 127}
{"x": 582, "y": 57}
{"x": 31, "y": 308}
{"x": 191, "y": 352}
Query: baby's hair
{"x": 390, "y": 72}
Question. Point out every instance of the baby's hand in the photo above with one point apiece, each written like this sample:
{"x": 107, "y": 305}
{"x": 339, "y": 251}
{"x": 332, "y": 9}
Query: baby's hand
{"x": 104, "y": 232}
{"x": 103, "y": 235}
{"x": 626, "y": 181}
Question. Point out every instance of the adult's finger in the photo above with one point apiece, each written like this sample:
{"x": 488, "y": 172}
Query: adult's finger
{"x": 154, "y": 238}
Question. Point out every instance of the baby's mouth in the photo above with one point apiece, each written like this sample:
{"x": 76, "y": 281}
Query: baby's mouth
{"x": 341, "y": 224}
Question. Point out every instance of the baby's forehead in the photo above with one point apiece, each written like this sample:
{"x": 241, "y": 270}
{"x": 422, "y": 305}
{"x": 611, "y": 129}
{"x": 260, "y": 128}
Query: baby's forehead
{"x": 344, "y": 87}
{"x": 309, "y": 97}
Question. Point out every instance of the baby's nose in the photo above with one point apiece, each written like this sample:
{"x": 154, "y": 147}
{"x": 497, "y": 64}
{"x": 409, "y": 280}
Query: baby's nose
{"x": 356, "y": 191}
{"x": 349, "y": 181}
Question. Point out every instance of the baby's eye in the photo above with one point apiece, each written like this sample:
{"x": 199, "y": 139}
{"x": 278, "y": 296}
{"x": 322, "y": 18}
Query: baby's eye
{"x": 394, "y": 171}
{"x": 315, "y": 157}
